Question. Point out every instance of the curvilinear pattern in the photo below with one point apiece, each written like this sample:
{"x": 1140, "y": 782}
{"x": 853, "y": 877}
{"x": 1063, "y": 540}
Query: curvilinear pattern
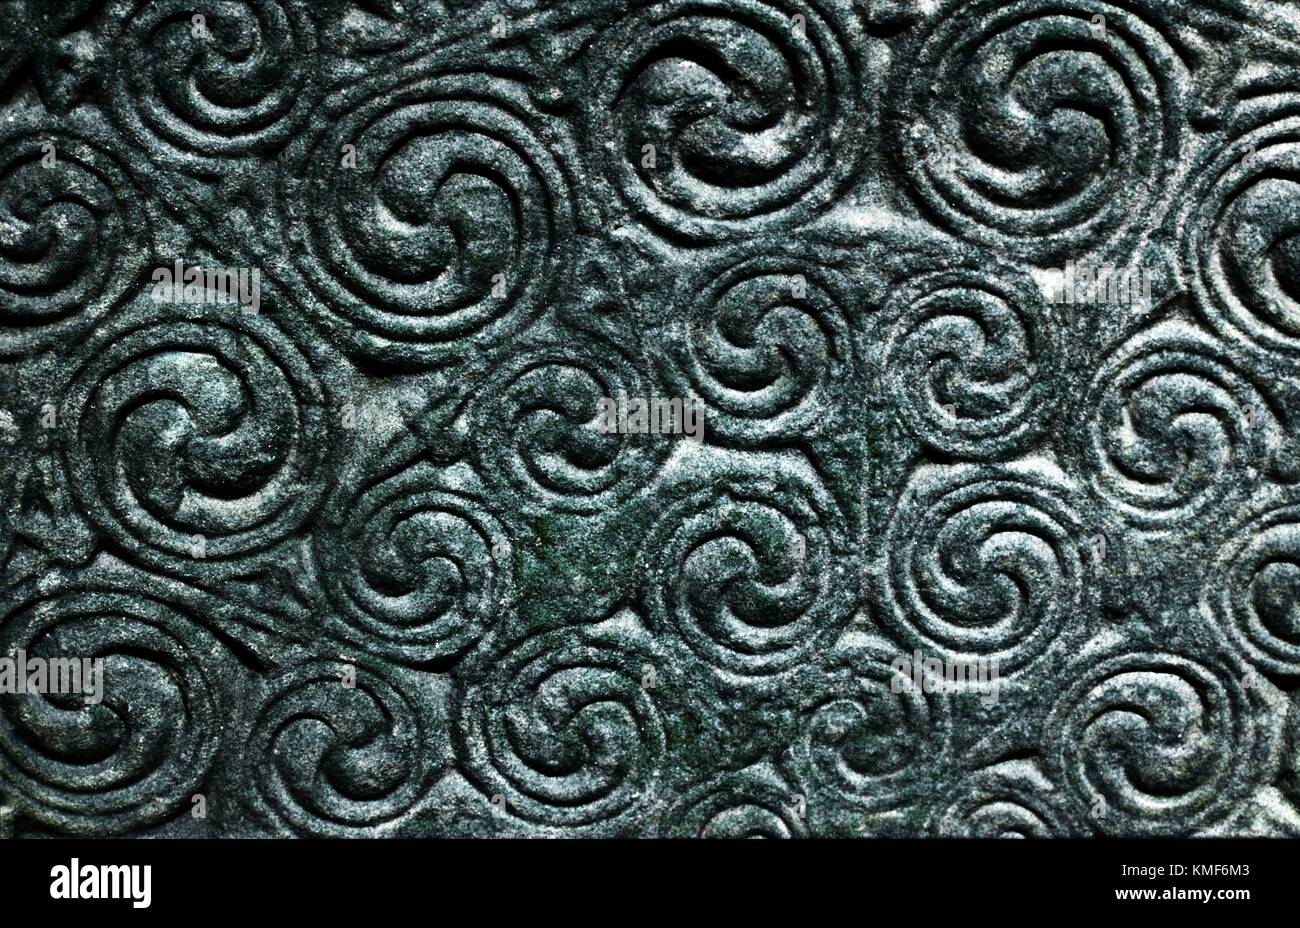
{"x": 990, "y": 310}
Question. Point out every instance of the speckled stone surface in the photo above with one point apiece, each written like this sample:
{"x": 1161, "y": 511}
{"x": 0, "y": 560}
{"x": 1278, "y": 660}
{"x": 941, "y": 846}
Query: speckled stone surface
{"x": 991, "y": 311}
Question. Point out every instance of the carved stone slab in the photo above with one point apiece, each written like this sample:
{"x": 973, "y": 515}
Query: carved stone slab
{"x": 621, "y": 418}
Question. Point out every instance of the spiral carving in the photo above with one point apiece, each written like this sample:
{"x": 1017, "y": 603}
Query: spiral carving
{"x": 738, "y": 805}
{"x": 969, "y": 363}
{"x": 1243, "y": 245}
{"x": 1253, "y": 590}
{"x": 1157, "y": 744}
{"x": 136, "y": 757}
{"x": 632, "y": 401}
{"x": 764, "y": 342}
{"x": 416, "y": 572}
{"x": 862, "y": 744}
{"x": 233, "y": 83}
{"x": 431, "y": 219}
{"x": 564, "y": 729}
{"x": 1172, "y": 427}
{"x": 195, "y": 441}
{"x": 73, "y": 237}
{"x": 1011, "y": 800}
{"x": 339, "y": 749}
{"x": 986, "y": 564}
{"x": 537, "y": 428}
{"x": 753, "y": 575}
{"x": 752, "y": 109}
{"x": 1024, "y": 125}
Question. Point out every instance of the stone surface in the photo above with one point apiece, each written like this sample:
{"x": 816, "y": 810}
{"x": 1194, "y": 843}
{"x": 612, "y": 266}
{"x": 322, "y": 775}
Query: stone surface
{"x": 364, "y": 562}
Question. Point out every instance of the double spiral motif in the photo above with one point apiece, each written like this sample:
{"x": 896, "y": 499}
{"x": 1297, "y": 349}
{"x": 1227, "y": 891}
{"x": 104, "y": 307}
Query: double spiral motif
{"x": 986, "y": 564}
{"x": 969, "y": 363}
{"x": 1034, "y": 126}
{"x": 339, "y": 749}
{"x": 233, "y": 83}
{"x": 134, "y": 758}
{"x": 564, "y": 728}
{"x": 72, "y": 237}
{"x": 753, "y": 576}
{"x": 1243, "y": 247}
{"x": 1158, "y": 744}
{"x": 431, "y": 219}
{"x": 416, "y": 572}
{"x": 867, "y": 742}
{"x": 1254, "y": 590}
{"x": 763, "y": 341}
{"x": 539, "y": 431}
{"x": 194, "y": 441}
{"x": 1172, "y": 427}
{"x": 748, "y": 109}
